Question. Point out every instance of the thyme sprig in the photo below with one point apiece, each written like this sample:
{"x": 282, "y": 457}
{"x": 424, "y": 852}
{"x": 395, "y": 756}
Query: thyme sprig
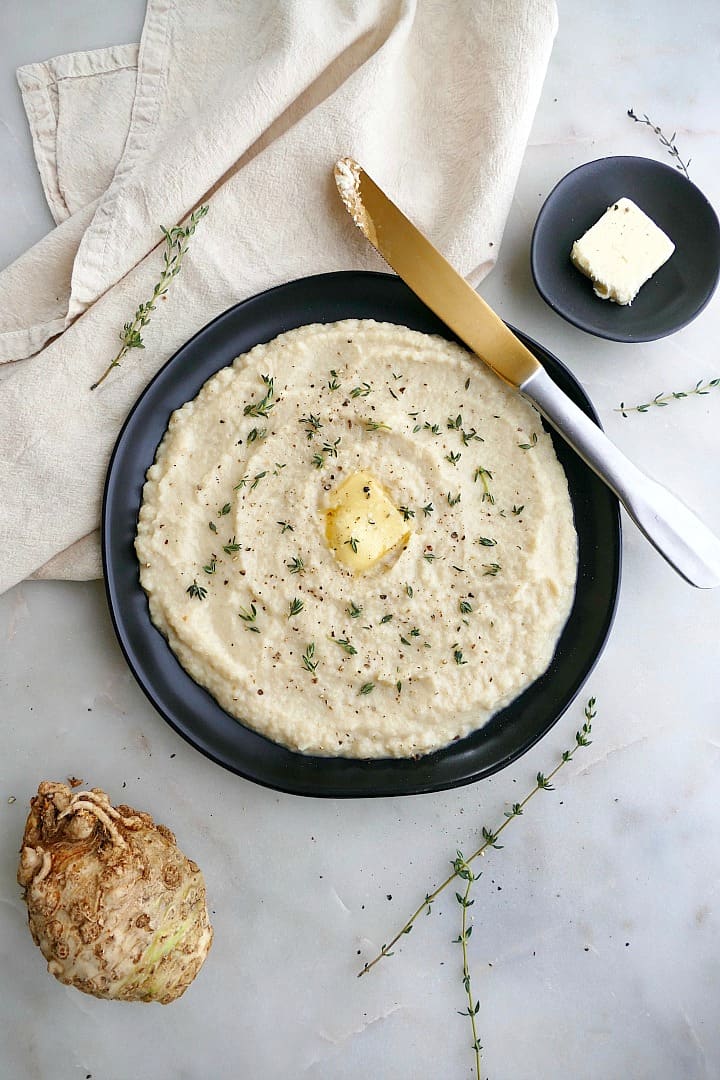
{"x": 663, "y": 400}
{"x": 669, "y": 144}
{"x": 463, "y": 871}
{"x": 490, "y": 838}
{"x": 176, "y": 245}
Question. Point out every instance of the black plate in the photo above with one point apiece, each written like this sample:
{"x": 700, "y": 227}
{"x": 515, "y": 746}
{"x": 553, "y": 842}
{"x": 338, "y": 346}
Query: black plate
{"x": 191, "y": 710}
{"x": 674, "y": 295}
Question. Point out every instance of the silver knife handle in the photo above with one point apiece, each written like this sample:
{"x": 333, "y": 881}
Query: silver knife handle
{"x": 674, "y": 530}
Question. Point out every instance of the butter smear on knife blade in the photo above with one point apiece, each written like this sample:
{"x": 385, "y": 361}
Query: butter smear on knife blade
{"x": 347, "y": 178}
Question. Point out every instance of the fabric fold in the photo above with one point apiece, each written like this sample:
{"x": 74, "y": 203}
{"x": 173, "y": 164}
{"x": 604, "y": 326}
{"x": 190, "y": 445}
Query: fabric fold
{"x": 250, "y": 110}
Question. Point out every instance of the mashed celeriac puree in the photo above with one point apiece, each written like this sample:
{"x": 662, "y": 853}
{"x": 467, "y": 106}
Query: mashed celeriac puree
{"x": 359, "y": 540}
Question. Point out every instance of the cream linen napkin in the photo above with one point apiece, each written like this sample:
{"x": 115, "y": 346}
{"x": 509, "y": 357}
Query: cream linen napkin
{"x": 254, "y": 103}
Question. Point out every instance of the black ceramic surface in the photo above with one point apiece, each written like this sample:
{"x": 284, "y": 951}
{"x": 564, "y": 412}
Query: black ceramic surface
{"x": 674, "y": 295}
{"x": 191, "y": 710}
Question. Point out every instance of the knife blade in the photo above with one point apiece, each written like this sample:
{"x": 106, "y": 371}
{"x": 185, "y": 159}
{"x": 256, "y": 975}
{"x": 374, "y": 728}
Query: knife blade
{"x": 672, "y": 528}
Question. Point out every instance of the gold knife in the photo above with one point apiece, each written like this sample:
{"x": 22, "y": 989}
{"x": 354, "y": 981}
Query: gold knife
{"x": 674, "y": 530}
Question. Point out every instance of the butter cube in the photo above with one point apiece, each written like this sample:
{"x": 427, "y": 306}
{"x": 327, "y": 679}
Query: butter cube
{"x": 621, "y": 251}
{"x": 362, "y": 524}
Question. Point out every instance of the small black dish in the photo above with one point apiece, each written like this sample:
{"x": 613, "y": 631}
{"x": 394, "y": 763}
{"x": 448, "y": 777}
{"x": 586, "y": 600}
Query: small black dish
{"x": 192, "y": 711}
{"x": 679, "y": 290}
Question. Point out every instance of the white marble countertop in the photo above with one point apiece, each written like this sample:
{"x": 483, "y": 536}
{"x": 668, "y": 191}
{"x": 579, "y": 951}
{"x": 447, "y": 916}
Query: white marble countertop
{"x": 596, "y": 945}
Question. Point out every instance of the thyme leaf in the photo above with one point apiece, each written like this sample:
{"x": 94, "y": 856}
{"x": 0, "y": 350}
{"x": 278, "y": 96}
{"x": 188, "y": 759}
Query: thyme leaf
{"x": 345, "y": 645}
{"x": 249, "y": 617}
{"x": 308, "y": 662}
{"x": 311, "y": 424}
{"x": 197, "y": 591}
{"x": 330, "y": 448}
{"x": 484, "y": 475}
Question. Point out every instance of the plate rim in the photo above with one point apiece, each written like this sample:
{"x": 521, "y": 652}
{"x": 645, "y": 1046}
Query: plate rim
{"x": 595, "y": 330}
{"x": 374, "y": 791}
